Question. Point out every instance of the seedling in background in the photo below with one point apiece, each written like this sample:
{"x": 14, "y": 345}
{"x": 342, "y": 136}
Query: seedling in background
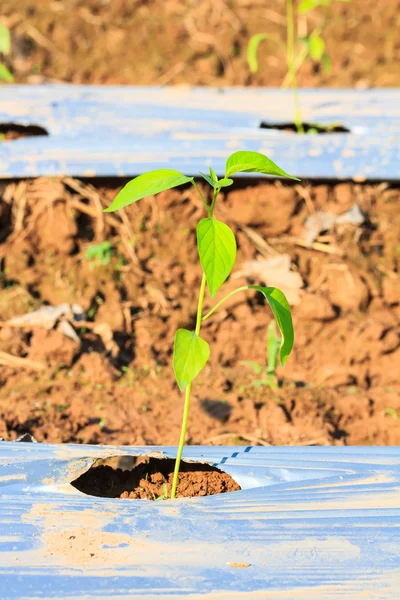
{"x": 5, "y": 47}
{"x": 99, "y": 254}
{"x": 268, "y": 373}
{"x": 216, "y": 245}
{"x": 298, "y": 49}
{"x": 164, "y": 495}
{"x": 393, "y": 413}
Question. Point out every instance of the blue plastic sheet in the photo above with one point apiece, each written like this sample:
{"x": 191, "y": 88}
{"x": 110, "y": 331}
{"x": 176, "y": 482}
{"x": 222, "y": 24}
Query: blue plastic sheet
{"x": 124, "y": 131}
{"x": 312, "y": 523}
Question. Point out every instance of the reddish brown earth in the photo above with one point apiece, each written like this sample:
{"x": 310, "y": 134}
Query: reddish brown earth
{"x": 152, "y": 480}
{"x": 340, "y": 386}
{"x": 186, "y": 41}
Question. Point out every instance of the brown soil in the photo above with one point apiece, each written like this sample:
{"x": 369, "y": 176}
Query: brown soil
{"x": 151, "y": 480}
{"x": 14, "y": 132}
{"x": 340, "y": 386}
{"x": 185, "y": 41}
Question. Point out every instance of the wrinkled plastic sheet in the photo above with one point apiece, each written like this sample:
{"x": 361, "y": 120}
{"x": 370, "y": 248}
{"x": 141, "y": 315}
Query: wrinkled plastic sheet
{"x": 312, "y": 523}
{"x": 111, "y": 131}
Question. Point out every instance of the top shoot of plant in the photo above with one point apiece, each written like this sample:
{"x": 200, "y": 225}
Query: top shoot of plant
{"x": 298, "y": 49}
{"x": 216, "y": 245}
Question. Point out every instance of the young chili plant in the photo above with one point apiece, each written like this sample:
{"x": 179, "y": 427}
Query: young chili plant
{"x": 217, "y": 252}
{"x": 267, "y": 374}
{"x": 298, "y": 49}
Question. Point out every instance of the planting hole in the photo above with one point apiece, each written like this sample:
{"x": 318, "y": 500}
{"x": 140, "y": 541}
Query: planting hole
{"x": 13, "y": 131}
{"x": 147, "y": 478}
{"x": 310, "y": 128}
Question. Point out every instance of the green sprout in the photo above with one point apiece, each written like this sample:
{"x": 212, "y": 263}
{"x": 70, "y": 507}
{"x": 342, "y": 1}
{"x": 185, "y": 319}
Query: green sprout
{"x": 99, "y": 254}
{"x": 5, "y": 47}
{"x": 297, "y": 49}
{"x": 216, "y": 245}
{"x": 164, "y": 495}
{"x": 393, "y": 413}
{"x": 267, "y": 374}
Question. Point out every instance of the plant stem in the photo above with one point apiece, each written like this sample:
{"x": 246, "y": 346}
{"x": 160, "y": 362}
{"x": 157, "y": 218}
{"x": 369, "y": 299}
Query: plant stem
{"x": 208, "y": 209}
{"x": 298, "y": 62}
{"x": 216, "y": 192}
{"x": 241, "y": 289}
{"x": 181, "y": 440}
{"x": 290, "y": 48}
{"x": 200, "y": 303}
{"x": 187, "y": 394}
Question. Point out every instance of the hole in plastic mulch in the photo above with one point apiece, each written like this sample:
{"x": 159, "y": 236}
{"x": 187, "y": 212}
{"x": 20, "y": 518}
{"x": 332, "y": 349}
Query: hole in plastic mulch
{"x": 148, "y": 478}
{"x": 310, "y": 128}
{"x": 14, "y": 131}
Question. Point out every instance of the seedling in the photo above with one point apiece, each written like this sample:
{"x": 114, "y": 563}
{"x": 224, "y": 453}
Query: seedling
{"x": 393, "y": 413}
{"x": 268, "y": 373}
{"x": 298, "y": 49}
{"x": 5, "y": 46}
{"x": 164, "y": 495}
{"x": 217, "y": 252}
{"x": 99, "y": 254}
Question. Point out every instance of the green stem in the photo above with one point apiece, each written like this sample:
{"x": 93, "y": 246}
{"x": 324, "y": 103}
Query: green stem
{"x": 299, "y": 61}
{"x": 208, "y": 209}
{"x": 181, "y": 440}
{"x": 290, "y": 47}
{"x": 241, "y": 289}
{"x": 187, "y": 394}
{"x": 216, "y": 192}
{"x": 200, "y": 303}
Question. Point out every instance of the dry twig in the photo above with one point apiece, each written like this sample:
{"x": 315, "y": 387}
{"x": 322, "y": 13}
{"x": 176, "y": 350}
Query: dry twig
{"x": 15, "y": 362}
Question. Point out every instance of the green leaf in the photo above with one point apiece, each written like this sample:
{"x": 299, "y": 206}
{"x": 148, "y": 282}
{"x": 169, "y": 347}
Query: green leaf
{"x": 257, "y": 369}
{"x": 316, "y": 46}
{"x": 5, "y": 39}
{"x": 213, "y": 175}
{"x": 5, "y": 74}
{"x": 217, "y": 250}
{"x": 225, "y": 182}
{"x": 252, "y": 48}
{"x": 393, "y": 413}
{"x": 191, "y": 354}
{"x": 273, "y": 346}
{"x": 148, "y": 184}
{"x": 281, "y": 309}
{"x": 245, "y": 161}
{"x": 215, "y": 183}
{"x": 209, "y": 180}
{"x": 307, "y": 5}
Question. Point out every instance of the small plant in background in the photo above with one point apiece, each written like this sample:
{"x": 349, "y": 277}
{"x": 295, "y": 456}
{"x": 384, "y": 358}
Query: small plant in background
{"x": 164, "y": 495}
{"x": 216, "y": 245}
{"x": 268, "y": 373}
{"x": 298, "y": 49}
{"x": 5, "y": 47}
{"x": 99, "y": 254}
{"x": 393, "y": 413}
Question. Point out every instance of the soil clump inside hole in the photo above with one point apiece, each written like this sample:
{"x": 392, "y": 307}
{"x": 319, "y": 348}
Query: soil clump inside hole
{"x": 311, "y": 128}
{"x": 14, "y": 131}
{"x": 151, "y": 479}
